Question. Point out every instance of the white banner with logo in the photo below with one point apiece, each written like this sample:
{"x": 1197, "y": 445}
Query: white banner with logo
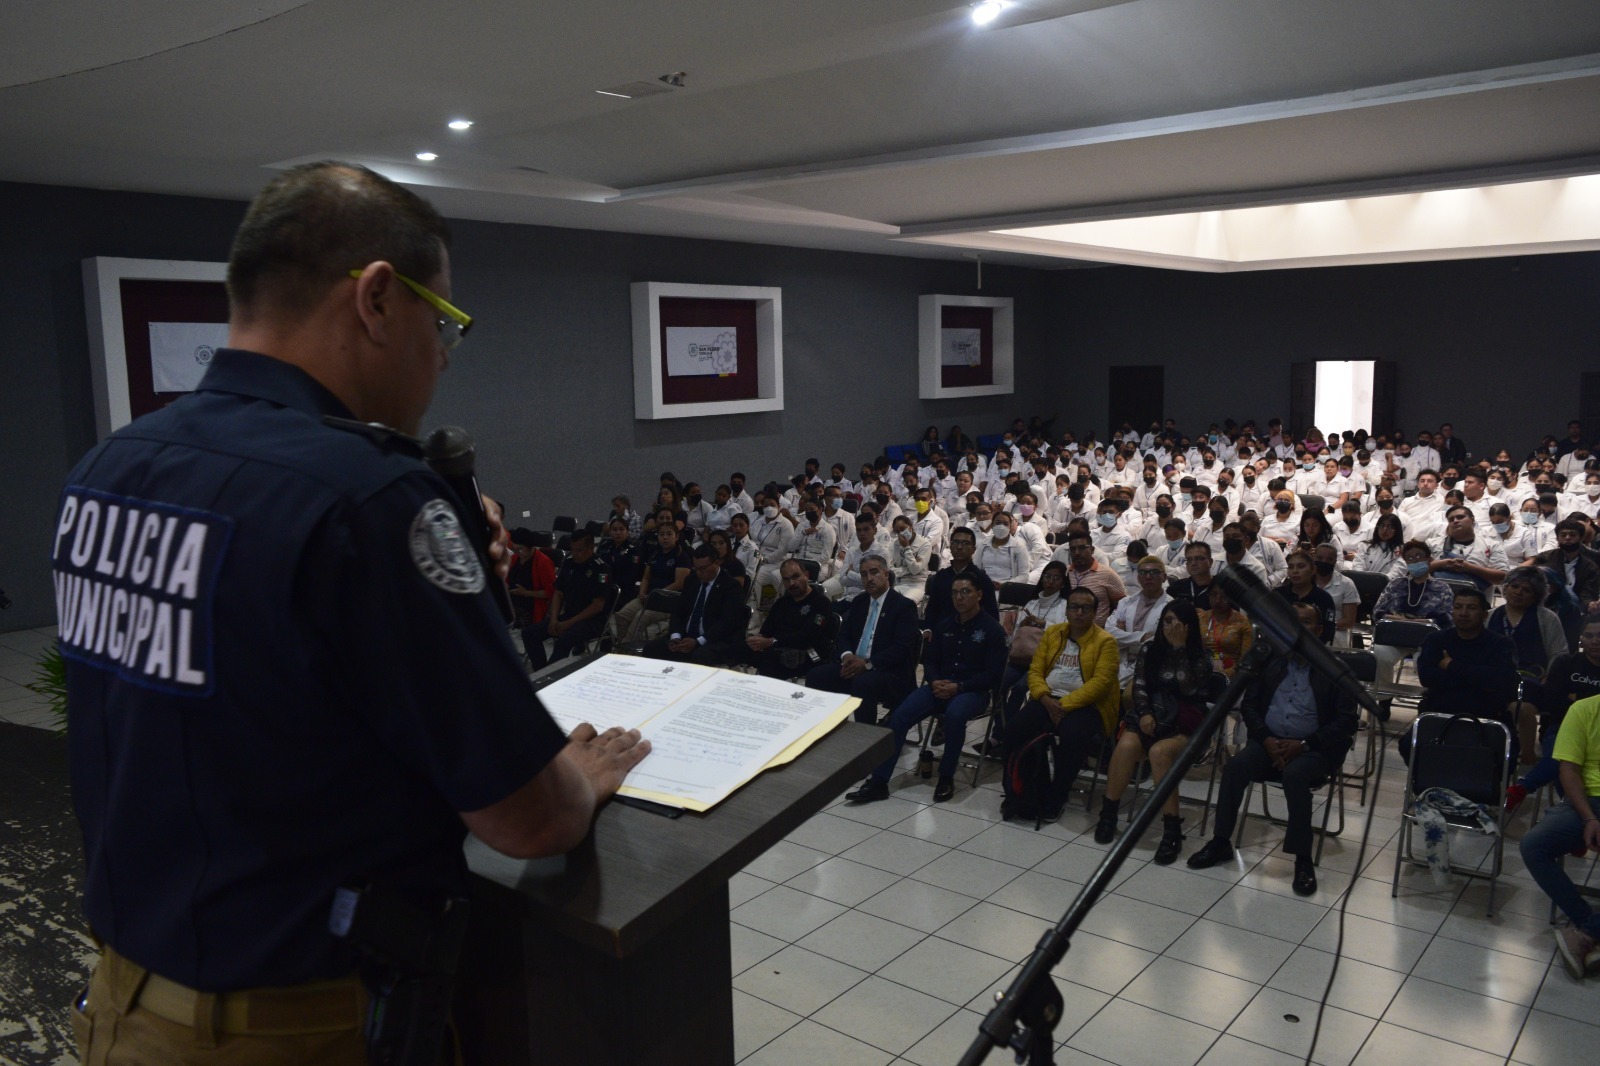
{"x": 181, "y": 351}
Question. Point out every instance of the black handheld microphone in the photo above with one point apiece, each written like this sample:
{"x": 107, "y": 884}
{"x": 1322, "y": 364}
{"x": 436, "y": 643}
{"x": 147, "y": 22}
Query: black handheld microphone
{"x": 1276, "y": 620}
{"x": 450, "y": 452}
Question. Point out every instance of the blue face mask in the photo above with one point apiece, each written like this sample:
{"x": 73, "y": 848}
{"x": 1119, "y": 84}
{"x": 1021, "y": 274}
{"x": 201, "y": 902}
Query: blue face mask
{"x": 1308, "y": 466}
{"x": 1417, "y": 570}
{"x": 1530, "y": 518}
{"x": 1502, "y": 528}
{"x": 1108, "y": 520}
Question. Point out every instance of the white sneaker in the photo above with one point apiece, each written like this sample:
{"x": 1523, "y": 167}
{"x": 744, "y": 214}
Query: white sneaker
{"x": 1575, "y": 947}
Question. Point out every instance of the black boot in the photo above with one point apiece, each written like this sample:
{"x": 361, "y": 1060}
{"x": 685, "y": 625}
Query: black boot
{"x": 1105, "y": 831}
{"x": 1171, "y": 840}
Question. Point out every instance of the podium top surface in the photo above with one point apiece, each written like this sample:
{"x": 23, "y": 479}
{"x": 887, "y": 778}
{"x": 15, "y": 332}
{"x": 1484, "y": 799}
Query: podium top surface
{"x": 639, "y": 870}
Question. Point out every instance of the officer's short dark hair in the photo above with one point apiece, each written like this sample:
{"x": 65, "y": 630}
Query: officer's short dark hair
{"x": 704, "y": 551}
{"x": 522, "y": 535}
{"x": 315, "y": 223}
{"x": 581, "y": 536}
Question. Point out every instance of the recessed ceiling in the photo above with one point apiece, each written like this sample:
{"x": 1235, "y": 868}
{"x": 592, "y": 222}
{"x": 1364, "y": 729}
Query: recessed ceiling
{"x": 883, "y": 127}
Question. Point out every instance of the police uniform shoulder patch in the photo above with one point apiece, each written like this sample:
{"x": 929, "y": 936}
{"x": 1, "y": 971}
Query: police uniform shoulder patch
{"x": 440, "y": 548}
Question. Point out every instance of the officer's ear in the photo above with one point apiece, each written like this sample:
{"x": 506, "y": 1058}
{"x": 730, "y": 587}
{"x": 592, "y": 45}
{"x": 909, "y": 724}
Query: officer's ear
{"x": 377, "y": 296}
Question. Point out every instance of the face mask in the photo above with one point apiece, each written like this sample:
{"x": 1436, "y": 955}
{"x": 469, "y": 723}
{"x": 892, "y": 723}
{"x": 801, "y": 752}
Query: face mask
{"x": 1530, "y": 518}
{"x": 1107, "y": 521}
{"x": 1282, "y": 506}
{"x": 1002, "y": 533}
{"x": 812, "y": 516}
{"x": 985, "y": 524}
{"x": 882, "y": 501}
{"x": 1149, "y": 479}
{"x": 1384, "y": 505}
{"x": 1308, "y": 466}
{"x": 769, "y": 512}
{"x": 905, "y": 536}
{"x": 1324, "y": 568}
{"x": 1417, "y": 570}
{"x": 1163, "y": 512}
{"x": 1495, "y": 484}
{"x": 1592, "y": 488}
{"x": 1232, "y": 545}
{"x": 1025, "y": 510}
{"x": 833, "y": 504}
{"x": 923, "y": 506}
{"x": 1184, "y": 499}
{"x": 1502, "y": 528}
{"x": 1249, "y": 479}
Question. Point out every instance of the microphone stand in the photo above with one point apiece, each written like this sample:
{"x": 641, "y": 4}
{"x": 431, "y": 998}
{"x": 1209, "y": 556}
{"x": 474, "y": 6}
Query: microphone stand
{"x": 1025, "y": 1015}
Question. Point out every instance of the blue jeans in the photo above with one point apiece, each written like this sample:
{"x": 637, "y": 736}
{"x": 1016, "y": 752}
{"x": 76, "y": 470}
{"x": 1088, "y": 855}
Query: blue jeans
{"x": 1557, "y": 833}
{"x": 921, "y": 704}
{"x": 1546, "y": 770}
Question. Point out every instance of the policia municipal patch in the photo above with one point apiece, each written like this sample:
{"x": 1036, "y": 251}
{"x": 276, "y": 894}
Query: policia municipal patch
{"x": 442, "y": 552}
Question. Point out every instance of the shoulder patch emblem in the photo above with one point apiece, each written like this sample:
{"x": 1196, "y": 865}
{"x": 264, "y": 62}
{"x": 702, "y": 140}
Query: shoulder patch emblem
{"x": 440, "y": 548}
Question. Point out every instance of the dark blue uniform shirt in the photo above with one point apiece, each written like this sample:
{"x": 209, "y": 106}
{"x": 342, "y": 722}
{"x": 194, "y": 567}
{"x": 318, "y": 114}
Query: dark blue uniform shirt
{"x": 972, "y": 653}
{"x": 283, "y": 676}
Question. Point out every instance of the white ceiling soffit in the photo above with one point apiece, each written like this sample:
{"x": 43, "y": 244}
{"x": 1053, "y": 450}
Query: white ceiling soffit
{"x": 830, "y": 124}
{"x": 1523, "y": 218}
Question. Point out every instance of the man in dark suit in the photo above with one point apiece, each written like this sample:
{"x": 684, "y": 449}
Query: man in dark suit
{"x": 878, "y": 643}
{"x": 1568, "y": 558}
{"x": 1301, "y": 726}
{"x": 708, "y": 622}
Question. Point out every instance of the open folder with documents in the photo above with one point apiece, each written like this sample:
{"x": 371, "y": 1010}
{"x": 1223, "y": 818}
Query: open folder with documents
{"x": 710, "y": 730}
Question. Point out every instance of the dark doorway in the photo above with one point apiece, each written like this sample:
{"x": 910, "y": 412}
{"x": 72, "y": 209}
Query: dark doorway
{"x": 1589, "y": 406}
{"x": 1137, "y": 396}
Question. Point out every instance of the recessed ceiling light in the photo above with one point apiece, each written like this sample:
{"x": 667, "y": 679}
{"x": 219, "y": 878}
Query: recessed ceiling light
{"x": 987, "y": 11}
{"x": 427, "y": 157}
{"x": 461, "y": 124}
{"x": 608, "y": 92}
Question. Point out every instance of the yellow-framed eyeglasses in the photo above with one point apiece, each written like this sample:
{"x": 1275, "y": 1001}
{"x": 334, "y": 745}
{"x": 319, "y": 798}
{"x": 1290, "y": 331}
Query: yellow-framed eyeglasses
{"x": 453, "y": 327}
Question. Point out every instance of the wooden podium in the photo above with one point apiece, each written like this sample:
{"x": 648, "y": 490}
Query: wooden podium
{"x": 618, "y": 952}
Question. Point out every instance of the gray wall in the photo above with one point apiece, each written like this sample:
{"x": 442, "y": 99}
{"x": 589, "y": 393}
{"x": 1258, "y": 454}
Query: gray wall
{"x": 1495, "y": 346}
{"x": 545, "y": 383}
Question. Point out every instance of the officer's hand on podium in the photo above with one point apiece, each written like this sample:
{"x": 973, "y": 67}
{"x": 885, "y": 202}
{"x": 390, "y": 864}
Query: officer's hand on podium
{"x": 605, "y": 758}
{"x": 499, "y": 539}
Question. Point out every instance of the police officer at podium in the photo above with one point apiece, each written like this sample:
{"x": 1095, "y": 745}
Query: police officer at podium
{"x": 286, "y": 682}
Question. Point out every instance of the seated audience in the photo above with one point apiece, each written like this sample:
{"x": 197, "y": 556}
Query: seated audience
{"x": 1467, "y": 669}
{"x": 1073, "y": 695}
{"x": 1569, "y": 557}
{"x": 577, "y": 606}
{"x": 960, "y": 670}
{"x": 1537, "y": 638}
{"x": 532, "y": 579}
{"x": 666, "y": 567}
{"x": 1194, "y": 588}
{"x": 1226, "y": 632}
{"x": 1171, "y": 682}
{"x": 1087, "y": 572}
{"x": 1414, "y": 595}
{"x": 1300, "y": 586}
{"x": 619, "y": 559}
{"x": 1571, "y": 677}
{"x": 1000, "y": 555}
{"x": 936, "y": 598}
{"x": 878, "y": 644}
{"x": 1573, "y": 825}
{"x": 708, "y": 621}
{"x": 1340, "y": 589}
{"x": 1134, "y": 620}
{"x": 1300, "y": 726}
{"x": 1466, "y": 553}
{"x": 814, "y": 539}
{"x": 908, "y": 560}
{"x": 1381, "y": 552}
{"x": 728, "y": 559}
{"x": 798, "y": 633}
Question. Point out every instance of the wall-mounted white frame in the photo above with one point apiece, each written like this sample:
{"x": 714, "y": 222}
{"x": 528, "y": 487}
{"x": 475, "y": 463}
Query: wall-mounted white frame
{"x": 647, "y": 395}
{"x": 930, "y": 316}
{"x": 108, "y": 349}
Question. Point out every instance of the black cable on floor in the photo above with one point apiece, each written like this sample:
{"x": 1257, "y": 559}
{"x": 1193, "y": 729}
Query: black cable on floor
{"x": 1344, "y": 897}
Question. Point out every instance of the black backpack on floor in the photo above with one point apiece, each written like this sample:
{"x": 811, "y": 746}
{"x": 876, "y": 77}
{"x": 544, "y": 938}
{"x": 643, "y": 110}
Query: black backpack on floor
{"x": 1026, "y": 781}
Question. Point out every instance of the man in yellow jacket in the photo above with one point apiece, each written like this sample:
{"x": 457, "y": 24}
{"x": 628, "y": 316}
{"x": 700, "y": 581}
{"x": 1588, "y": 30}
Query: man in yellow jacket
{"x": 1072, "y": 692}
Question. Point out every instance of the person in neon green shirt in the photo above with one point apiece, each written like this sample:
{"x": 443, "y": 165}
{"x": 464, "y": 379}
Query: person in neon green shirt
{"x": 1574, "y": 825}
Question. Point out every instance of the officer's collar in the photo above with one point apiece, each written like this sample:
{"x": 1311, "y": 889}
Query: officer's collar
{"x": 245, "y": 373}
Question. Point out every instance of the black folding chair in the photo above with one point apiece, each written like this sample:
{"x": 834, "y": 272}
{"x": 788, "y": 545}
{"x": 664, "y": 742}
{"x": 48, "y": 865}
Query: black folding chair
{"x": 1311, "y": 503}
{"x": 1472, "y": 758}
{"x": 1370, "y": 585}
{"x": 1017, "y": 593}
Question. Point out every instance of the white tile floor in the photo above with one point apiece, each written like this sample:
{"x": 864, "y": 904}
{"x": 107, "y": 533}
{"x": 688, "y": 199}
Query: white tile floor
{"x": 880, "y": 933}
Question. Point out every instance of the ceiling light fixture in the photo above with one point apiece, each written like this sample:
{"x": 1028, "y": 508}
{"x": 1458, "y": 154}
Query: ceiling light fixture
{"x": 427, "y": 157}
{"x": 987, "y": 11}
{"x": 608, "y": 92}
{"x": 461, "y": 123}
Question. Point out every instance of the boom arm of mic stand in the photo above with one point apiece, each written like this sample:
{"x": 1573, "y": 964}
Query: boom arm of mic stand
{"x": 1000, "y": 1026}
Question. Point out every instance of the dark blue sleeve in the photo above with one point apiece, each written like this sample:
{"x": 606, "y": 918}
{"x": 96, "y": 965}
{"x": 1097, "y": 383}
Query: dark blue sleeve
{"x": 431, "y": 671}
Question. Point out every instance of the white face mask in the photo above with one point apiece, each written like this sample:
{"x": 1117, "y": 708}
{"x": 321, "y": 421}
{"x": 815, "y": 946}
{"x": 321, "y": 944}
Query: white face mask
{"x": 984, "y": 524}
{"x": 769, "y": 512}
{"x": 1002, "y": 533}
{"x": 1495, "y": 484}
{"x": 1592, "y": 488}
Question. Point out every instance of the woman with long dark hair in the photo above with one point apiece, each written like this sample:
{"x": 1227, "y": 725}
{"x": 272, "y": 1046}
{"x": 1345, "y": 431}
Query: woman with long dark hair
{"x": 1170, "y": 683}
{"x": 1381, "y": 554}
